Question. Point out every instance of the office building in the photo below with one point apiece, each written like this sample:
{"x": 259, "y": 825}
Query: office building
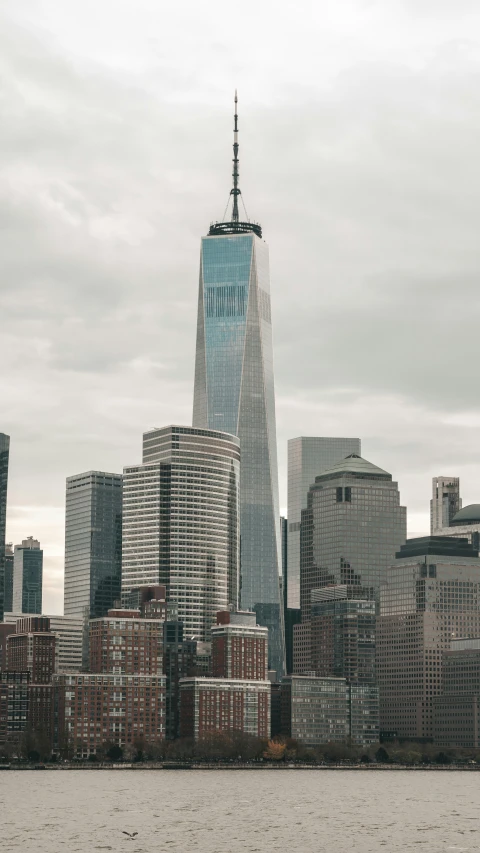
{"x": 93, "y": 543}
{"x": 179, "y": 661}
{"x": 239, "y": 647}
{"x": 456, "y": 710}
{"x": 234, "y": 391}
{"x": 308, "y": 456}
{"x": 224, "y": 705}
{"x": 445, "y": 502}
{"x": 315, "y": 710}
{"x": 8, "y": 599}
{"x": 4, "y": 457}
{"x": 181, "y": 523}
{"x": 351, "y": 529}
{"x": 429, "y": 596}
{"x": 27, "y": 576}
{"x": 92, "y": 710}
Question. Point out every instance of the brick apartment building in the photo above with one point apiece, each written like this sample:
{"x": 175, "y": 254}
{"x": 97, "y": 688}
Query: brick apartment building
{"x": 237, "y": 697}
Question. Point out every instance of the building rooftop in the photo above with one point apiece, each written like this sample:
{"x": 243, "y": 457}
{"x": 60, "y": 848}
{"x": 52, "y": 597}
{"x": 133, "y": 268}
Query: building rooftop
{"x": 468, "y": 515}
{"x": 438, "y": 546}
{"x": 357, "y": 467}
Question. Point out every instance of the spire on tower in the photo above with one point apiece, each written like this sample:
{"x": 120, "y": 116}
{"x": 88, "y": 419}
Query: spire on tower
{"x": 235, "y": 191}
{"x": 235, "y": 226}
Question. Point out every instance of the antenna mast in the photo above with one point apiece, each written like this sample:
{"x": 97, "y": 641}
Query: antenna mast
{"x": 235, "y": 191}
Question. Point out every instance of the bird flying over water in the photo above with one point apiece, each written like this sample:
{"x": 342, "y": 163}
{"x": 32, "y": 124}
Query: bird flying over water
{"x": 130, "y": 834}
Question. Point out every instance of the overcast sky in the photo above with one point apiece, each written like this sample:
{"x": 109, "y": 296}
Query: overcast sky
{"x": 360, "y": 140}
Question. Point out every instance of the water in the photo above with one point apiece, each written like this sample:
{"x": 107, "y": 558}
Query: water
{"x": 218, "y": 811}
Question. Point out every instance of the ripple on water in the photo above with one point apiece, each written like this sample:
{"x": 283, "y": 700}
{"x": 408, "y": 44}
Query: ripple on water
{"x": 201, "y": 810}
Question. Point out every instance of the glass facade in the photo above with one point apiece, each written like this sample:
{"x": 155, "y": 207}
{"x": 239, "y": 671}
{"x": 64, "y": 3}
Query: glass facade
{"x": 351, "y": 530}
{"x": 426, "y": 601}
{"x": 308, "y": 456}
{"x": 4, "y": 456}
{"x": 181, "y": 522}
{"x": 234, "y": 391}
{"x": 28, "y": 577}
{"x": 8, "y": 599}
{"x": 93, "y": 543}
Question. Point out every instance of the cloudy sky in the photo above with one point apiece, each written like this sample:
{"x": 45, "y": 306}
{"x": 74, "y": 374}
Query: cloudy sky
{"x": 360, "y": 140}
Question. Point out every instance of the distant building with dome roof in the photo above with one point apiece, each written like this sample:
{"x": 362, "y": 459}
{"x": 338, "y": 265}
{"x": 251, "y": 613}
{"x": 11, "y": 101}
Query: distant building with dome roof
{"x": 448, "y": 517}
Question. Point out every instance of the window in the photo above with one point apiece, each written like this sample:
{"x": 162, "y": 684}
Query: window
{"x": 339, "y": 495}
{"x": 348, "y": 494}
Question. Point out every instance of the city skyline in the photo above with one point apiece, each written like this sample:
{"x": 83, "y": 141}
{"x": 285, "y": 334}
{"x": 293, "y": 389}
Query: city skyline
{"x": 358, "y": 161}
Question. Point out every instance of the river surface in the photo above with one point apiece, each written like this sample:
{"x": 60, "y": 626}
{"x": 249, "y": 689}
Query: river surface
{"x": 221, "y": 811}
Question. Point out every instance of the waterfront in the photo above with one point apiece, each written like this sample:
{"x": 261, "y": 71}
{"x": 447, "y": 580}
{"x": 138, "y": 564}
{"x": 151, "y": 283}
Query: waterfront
{"x": 230, "y": 812}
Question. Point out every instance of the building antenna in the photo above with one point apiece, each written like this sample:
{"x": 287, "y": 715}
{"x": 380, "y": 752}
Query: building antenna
{"x": 236, "y": 225}
{"x": 236, "y": 190}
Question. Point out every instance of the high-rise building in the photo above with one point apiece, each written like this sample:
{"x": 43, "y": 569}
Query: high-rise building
{"x": 124, "y": 643}
{"x": 93, "y": 543}
{"x": 93, "y": 709}
{"x": 234, "y": 392}
{"x": 429, "y": 596}
{"x": 122, "y": 698}
{"x": 445, "y": 502}
{"x": 32, "y": 650}
{"x": 315, "y": 710}
{"x": 27, "y": 576}
{"x": 351, "y": 529}
{"x": 308, "y": 456}
{"x": 239, "y": 647}
{"x": 8, "y": 600}
{"x": 181, "y": 522}
{"x": 343, "y": 645}
{"x": 14, "y": 704}
{"x": 4, "y": 456}
{"x": 456, "y": 711}
{"x": 69, "y": 633}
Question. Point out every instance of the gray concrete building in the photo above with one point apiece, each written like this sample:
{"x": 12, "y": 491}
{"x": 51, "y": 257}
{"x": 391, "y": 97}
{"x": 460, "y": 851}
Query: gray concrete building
{"x": 315, "y": 710}
{"x": 429, "y": 596}
{"x": 308, "y": 456}
{"x": 93, "y": 543}
{"x": 181, "y": 522}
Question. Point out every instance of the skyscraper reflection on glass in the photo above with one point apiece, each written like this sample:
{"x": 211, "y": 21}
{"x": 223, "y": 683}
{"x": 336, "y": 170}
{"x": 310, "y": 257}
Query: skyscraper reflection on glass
{"x": 234, "y": 392}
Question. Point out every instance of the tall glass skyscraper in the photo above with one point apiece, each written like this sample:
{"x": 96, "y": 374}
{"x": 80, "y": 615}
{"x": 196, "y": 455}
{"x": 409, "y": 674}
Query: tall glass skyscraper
{"x": 28, "y": 576}
{"x": 93, "y": 543}
{"x": 234, "y": 392}
{"x": 4, "y": 454}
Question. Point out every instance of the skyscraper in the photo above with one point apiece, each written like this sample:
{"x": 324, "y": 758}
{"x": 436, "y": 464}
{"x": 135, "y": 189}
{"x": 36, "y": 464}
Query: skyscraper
{"x": 27, "y": 576}
{"x": 234, "y": 392}
{"x": 4, "y": 455}
{"x": 93, "y": 543}
{"x": 351, "y": 529}
{"x": 445, "y": 502}
{"x": 308, "y": 456}
{"x": 429, "y": 596}
{"x": 8, "y": 597}
{"x": 181, "y": 524}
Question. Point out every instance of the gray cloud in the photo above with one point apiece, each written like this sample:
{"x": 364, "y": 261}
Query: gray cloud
{"x": 364, "y": 178}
